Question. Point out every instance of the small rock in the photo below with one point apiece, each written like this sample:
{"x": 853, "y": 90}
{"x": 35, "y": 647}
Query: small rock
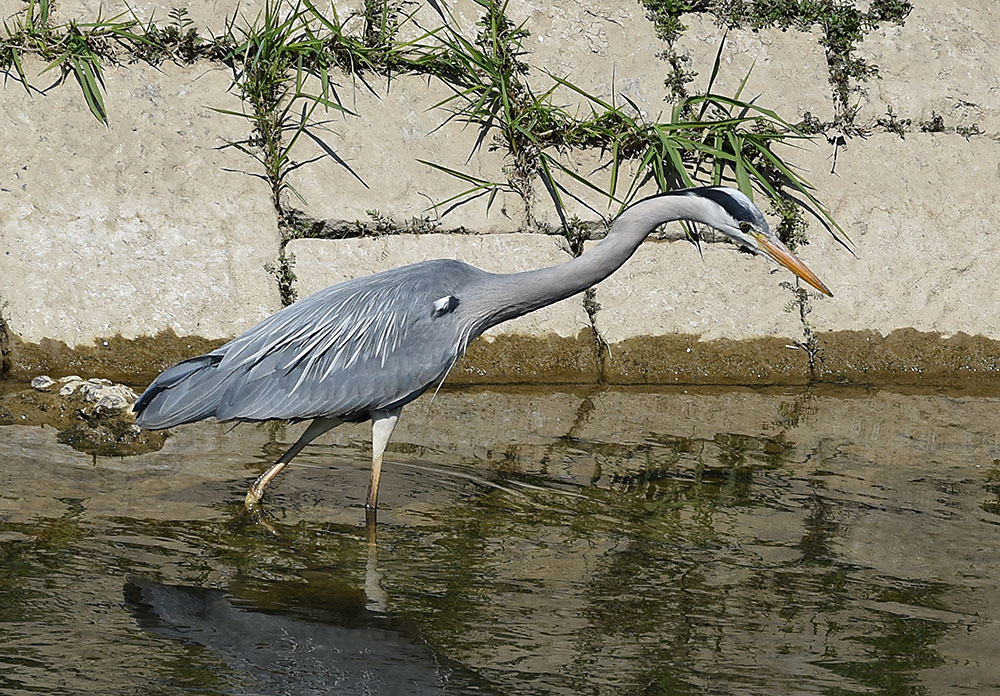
{"x": 70, "y": 386}
{"x": 90, "y": 391}
{"x": 110, "y": 403}
{"x": 42, "y": 382}
{"x": 70, "y": 378}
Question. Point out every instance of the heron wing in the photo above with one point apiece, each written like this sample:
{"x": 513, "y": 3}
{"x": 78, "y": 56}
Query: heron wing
{"x": 366, "y": 344}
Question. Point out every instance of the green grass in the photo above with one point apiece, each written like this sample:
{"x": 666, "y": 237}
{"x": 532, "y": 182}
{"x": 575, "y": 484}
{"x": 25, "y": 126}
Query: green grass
{"x": 273, "y": 58}
{"x": 76, "y": 49}
{"x": 708, "y": 139}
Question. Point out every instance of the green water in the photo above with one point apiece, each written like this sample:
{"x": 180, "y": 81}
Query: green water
{"x": 604, "y": 542}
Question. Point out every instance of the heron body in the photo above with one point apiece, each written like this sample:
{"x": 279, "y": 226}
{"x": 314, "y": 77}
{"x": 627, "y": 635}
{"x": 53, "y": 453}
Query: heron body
{"x": 364, "y": 348}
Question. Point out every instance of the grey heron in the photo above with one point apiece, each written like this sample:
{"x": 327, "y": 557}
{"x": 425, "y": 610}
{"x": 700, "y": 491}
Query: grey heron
{"x": 364, "y": 348}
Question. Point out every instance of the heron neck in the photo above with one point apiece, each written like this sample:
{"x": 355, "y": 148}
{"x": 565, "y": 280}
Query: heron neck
{"x": 515, "y": 294}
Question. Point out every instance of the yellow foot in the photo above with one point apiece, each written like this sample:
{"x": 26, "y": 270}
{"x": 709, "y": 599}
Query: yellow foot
{"x": 258, "y": 516}
{"x": 252, "y": 501}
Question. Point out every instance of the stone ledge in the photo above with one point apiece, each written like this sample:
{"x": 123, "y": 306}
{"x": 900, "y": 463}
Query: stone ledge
{"x": 666, "y": 289}
{"x": 146, "y": 226}
{"x": 925, "y": 248}
{"x": 908, "y": 357}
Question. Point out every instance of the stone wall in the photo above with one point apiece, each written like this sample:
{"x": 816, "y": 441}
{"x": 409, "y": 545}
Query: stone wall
{"x": 129, "y": 245}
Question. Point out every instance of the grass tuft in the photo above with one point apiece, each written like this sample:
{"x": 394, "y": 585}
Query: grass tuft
{"x": 708, "y": 139}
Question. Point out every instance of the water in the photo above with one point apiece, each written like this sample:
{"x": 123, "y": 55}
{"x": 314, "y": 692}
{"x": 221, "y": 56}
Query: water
{"x": 591, "y": 542}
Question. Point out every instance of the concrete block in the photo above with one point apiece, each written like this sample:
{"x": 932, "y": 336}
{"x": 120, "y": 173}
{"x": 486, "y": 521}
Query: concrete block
{"x": 609, "y": 49}
{"x": 922, "y": 245}
{"x": 376, "y": 167}
{"x": 462, "y": 16}
{"x": 669, "y": 316}
{"x": 553, "y": 344}
{"x": 918, "y": 302}
{"x": 10, "y": 10}
{"x": 208, "y": 17}
{"x": 788, "y": 69}
{"x": 146, "y": 225}
{"x": 579, "y": 200}
{"x": 941, "y": 61}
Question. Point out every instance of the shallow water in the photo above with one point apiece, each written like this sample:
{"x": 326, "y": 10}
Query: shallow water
{"x": 592, "y": 542}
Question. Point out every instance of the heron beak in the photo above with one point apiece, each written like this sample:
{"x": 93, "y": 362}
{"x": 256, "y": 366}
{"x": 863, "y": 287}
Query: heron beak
{"x": 780, "y": 253}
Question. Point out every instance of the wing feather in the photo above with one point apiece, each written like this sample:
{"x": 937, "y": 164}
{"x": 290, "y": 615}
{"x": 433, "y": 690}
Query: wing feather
{"x": 366, "y": 344}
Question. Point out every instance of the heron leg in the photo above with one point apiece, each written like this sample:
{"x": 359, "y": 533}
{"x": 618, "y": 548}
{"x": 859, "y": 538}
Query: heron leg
{"x": 383, "y": 423}
{"x": 315, "y": 429}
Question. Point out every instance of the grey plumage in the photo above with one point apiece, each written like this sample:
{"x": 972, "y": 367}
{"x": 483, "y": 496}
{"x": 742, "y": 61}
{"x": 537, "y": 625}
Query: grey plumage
{"x": 366, "y": 347}
{"x": 378, "y": 341}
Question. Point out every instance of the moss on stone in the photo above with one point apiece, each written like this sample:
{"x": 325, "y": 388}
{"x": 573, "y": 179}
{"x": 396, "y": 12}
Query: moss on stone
{"x": 131, "y": 361}
{"x": 908, "y": 357}
{"x": 685, "y": 359}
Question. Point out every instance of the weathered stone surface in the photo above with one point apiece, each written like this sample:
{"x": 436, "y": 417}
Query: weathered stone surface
{"x": 608, "y": 49}
{"x": 788, "y": 69}
{"x": 552, "y": 344}
{"x": 12, "y": 10}
{"x": 924, "y": 246}
{"x": 923, "y": 264}
{"x": 942, "y": 61}
{"x": 375, "y": 162}
{"x": 135, "y": 228}
{"x": 667, "y": 288}
{"x": 581, "y": 201}
{"x": 909, "y": 357}
{"x": 424, "y": 22}
{"x": 666, "y": 291}
{"x": 207, "y": 17}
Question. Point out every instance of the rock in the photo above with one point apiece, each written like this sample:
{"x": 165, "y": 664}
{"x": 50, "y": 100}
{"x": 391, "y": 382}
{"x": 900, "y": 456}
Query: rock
{"x": 107, "y": 397}
{"x": 91, "y": 415}
{"x": 70, "y": 386}
{"x": 42, "y": 382}
{"x": 111, "y": 403}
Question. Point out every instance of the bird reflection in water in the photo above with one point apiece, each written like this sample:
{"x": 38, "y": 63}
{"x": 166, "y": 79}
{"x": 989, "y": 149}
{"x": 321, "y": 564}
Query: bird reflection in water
{"x": 313, "y": 643}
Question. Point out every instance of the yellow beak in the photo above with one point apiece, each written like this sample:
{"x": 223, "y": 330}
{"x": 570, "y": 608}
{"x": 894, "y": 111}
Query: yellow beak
{"x": 780, "y": 253}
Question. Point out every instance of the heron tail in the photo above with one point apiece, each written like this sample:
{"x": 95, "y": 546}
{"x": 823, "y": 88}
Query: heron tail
{"x": 187, "y": 392}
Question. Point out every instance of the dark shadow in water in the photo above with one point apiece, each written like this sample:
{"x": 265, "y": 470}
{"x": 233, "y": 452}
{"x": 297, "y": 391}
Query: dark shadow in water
{"x": 276, "y": 653}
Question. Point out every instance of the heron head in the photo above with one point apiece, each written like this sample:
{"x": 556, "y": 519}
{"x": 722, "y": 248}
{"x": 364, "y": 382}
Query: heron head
{"x": 736, "y": 216}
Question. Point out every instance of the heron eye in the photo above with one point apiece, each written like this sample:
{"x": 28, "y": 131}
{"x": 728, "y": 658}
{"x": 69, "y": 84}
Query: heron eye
{"x": 744, "y": 226}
